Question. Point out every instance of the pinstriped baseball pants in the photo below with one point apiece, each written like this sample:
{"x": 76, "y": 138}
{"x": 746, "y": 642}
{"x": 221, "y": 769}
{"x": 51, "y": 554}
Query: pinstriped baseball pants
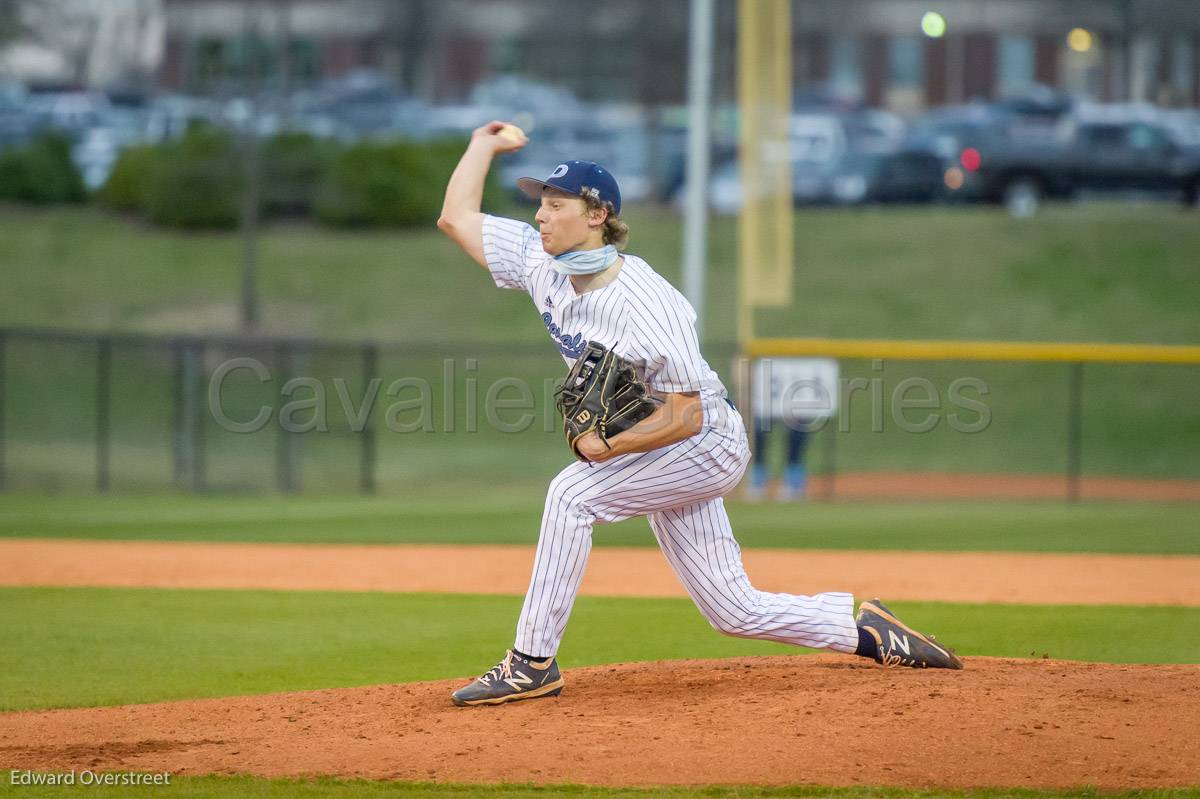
{"x": 679, "y": 489}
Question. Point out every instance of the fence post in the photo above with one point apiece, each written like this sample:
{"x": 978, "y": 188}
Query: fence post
{"x": 179, "y": 416}
{"x": 195, "y": 390}
{"x": 103, "y": 412}
{"x": 285, "y": 449}
{"x": 830, "y": 459}
{"x": 370, "y": 368}
{"x": 1074, "y": 430}
{"x": 3, "y": 402}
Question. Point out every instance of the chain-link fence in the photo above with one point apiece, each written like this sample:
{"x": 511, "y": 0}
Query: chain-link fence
{"x": 82, "y": 412}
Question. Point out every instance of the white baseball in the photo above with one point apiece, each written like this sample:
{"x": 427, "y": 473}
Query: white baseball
{"x": 511, "y": 132}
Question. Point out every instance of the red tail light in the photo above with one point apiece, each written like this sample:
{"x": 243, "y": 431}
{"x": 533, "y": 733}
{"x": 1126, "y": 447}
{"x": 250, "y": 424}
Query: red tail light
{"x": 970, "y": 159}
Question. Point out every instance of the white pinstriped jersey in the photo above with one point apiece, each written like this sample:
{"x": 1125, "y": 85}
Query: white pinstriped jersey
{"x": 639, "y": 316}
{"x": 679, "y": 487}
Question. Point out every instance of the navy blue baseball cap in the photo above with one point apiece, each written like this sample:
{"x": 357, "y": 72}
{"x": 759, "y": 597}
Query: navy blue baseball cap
{"x": 576, "y": 177}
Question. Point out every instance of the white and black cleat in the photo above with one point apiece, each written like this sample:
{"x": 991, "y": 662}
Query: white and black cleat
{"x": 511, "y": 680}
{"x": 900, "y": 645}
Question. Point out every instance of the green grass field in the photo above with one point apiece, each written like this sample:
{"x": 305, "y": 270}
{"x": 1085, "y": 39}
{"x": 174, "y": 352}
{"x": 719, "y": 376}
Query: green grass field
{"x": 444, "y": 515}
{"x": 77, "y": 647}
{"x": 70, "y": 647}
{"x": 1118, "y": 273}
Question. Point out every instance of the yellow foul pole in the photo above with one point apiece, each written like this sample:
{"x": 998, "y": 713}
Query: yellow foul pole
{"x": 765, "y": 237}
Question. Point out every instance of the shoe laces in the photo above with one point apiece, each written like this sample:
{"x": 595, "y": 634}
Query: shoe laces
{"x": 501, "y": 671}
{"x": 891, "y": 660}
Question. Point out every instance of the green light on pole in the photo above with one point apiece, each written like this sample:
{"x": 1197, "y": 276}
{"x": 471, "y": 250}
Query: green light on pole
{"x": 933, "y": 25}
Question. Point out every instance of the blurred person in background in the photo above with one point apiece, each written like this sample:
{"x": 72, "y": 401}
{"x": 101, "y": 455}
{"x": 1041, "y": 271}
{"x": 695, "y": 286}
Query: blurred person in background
{"x": 795, "y": 395}
{"x": 794, "y": 485}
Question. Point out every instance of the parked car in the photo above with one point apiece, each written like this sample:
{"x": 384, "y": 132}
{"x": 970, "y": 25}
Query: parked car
{"x": 70, "y": 113}
{"x": 618, "y": 141}
{"x": 170, "y": 115}
{"x": 541, "y": 103}
{"x": 873, "y": 131}
{"x": 16, "y": 123}
{"x": 818, "y": 142}
{"x": 902, "y": 176}
{"x": 842, "y": 157}
{"x": 1183, "y": 125}
{"x": 949, "y": 130}
{"x": 1093, "y": 157}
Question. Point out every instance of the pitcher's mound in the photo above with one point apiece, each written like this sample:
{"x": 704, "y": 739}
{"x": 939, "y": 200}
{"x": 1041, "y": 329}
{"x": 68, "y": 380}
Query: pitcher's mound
{"x": 770, "y": 720}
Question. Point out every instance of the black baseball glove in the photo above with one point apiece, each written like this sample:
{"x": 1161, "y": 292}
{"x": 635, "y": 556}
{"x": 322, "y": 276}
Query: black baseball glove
{"x": 602, "y": 392}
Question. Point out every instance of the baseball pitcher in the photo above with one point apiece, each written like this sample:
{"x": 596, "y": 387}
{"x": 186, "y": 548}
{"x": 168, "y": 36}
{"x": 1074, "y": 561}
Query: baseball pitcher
{"x": 649, "y": 422}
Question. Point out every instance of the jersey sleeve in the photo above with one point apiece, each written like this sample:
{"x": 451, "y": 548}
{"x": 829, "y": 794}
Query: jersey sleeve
{"x": 664, "y": 339}
{"x": 511, "y": 249}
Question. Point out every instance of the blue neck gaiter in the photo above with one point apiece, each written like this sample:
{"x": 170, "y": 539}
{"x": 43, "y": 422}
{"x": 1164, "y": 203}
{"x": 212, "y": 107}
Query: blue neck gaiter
{"x": 586, "y": 262}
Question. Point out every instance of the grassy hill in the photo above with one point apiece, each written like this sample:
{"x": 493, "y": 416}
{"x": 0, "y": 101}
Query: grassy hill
{"x": 1120, "y": 272}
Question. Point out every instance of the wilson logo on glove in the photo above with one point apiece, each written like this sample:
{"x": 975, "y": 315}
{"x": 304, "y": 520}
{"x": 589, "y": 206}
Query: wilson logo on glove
{"x": 602, "y": 392}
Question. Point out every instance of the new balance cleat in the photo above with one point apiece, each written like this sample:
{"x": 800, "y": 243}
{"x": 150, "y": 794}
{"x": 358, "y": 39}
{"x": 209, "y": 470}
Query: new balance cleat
{"x": 899, "y": 644}
{"x": 512, "y": 679}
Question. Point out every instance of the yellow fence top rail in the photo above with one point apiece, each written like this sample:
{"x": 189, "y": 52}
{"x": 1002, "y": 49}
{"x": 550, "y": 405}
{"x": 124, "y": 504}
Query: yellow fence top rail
{"x": 972, "y": 350}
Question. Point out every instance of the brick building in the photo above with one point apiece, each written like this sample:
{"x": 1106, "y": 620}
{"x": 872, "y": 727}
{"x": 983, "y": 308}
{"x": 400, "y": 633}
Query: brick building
{"x": 873, "y": 50}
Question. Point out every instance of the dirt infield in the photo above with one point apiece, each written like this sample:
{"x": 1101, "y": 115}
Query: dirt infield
{"x": 778, "y": 720}
{"x": 822, "y": 719}
{"x": 612, "y": 571}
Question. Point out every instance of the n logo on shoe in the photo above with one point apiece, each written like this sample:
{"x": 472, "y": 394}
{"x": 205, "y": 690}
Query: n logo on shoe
{"x": 899, "y": 643}
{"x": 517, "y": 680}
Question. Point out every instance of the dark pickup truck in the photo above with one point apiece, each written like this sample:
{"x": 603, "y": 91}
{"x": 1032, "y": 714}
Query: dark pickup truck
{"x": 1087, "y": 156}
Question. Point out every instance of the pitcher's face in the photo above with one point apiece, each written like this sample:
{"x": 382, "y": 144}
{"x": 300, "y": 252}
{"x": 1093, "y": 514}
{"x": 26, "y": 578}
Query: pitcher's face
{"x": 566, "y": 224}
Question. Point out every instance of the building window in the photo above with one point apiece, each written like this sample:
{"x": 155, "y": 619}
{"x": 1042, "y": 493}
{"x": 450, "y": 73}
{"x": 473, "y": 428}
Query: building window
{"x": 207, "y": 64}
{"x": 1015, "y": 64}
{"x": 1082, "y": 72}
{"x": 846, "y": 71}
{"x": 1146, "y": 50}
{"x": 905, "y": 62}
{"x": 906, "y": 75}
{"x": 1183, "y": 67}
{"x": 304, "y": 61}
